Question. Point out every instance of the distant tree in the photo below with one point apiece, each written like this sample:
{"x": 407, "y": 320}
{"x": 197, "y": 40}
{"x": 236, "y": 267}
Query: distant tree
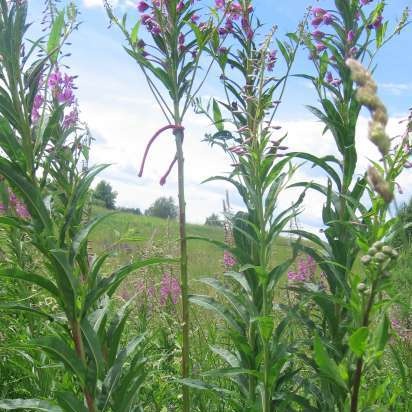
{"x": 133, "y": 210}
{"x": 104, "y": 193}
{"x": 403, "y": 235}
{"x": 163, "y": 207}
{"x": 214, "y": 220}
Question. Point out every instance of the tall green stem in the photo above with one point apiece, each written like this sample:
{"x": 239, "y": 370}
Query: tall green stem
{"x": 183, "y": 268}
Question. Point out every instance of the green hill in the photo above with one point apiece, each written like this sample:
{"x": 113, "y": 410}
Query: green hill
{"x": 130, "y": 236}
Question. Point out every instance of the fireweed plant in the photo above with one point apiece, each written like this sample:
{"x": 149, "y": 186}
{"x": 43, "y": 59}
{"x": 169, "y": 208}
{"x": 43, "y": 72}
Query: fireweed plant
{"x": 350, "y": 339}
{"x": 258, "y": 359}
{"x": 42, "y": 148}
{"x": 177, "y": 34}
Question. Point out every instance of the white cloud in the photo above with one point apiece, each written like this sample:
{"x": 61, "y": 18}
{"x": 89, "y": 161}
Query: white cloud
{"x": 114, "y": 3}
{"x": 397, "y": 89}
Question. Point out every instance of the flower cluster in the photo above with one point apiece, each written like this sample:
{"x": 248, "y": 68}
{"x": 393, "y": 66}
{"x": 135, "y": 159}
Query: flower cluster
{"x": 379, "y": 254}
{"x": 15, "y": 205}
{"x": 366, "y": 95}
{"x": 169, "y": 288}
{"x": 62, "y": 88}
{"x": 233, "y": 12}
{"x": 228, "y": 259}
{"x": 306, "y": 269}
{"x": 155, "y": 17}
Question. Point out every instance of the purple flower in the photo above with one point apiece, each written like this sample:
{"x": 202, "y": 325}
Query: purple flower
{"x": 320, "y": 47}
{"x": 180, "y": 6}
{"x": 272, "y": 58}
{"x": 328, "y": 18}
{"x": 365, "y": 2}
{"x": 306, "y": 269}
{"x": 220, "y": 4}
{"x": 66, "y": 96}
{"x": 55, "y": 79}
{"x": 317, "y": 34}
{"x": 318, "y": 11}
{"x": 229, "y": 25}
{"x": 71, "y": 119}
{"x": 378, "y": 22}
{"x": 146, "y": 18}
{"x": 228, "y": 259}
{"x": 194, "y": 18}
{"x": 350, "y": 36}
{"x": 329, "y": 77}
{"x": 37, "y": 103}
{"x": 21, "y": 211}
{"x": 142, "y": 6}
{"x": 169, "y": 288}
{"x": 222, "y": 31}
{"x": 317, "y": 21}
{"x": 2, "y": 208}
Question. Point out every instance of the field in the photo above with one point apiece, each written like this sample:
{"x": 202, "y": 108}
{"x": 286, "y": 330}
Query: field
{"x": 298, "y": 299}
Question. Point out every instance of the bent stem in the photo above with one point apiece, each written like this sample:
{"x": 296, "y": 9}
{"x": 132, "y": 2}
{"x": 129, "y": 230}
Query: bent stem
{"x": 183, "y": 268}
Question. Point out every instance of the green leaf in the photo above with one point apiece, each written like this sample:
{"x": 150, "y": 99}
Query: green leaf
{"x": 41, "y": 281}
{"x": 70, "y": 403}
{"x": 93, "y": 345}
{"x": 358, "y": 341}
{"x": 59, "y": 350}
{"x": 24, "y": 308}
{"x": 217, "y": 116}
{"x": 37, "y": 404}
{"x": 81, "y": 237}
{"x": 326, "y": 364}
{"x": 54, "y": 38}
{"x": 210, "y": 304}
{"x": 382, "y": 334}
{"x": 266, "y": 326}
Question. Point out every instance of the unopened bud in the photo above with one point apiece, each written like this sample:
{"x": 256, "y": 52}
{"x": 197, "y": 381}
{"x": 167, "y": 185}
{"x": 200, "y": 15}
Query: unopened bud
{"x": 380, "y": 257}
{"x": 387, "y": 250}
{"x": 366, "y": 259}
{"x": 361, "y": 287}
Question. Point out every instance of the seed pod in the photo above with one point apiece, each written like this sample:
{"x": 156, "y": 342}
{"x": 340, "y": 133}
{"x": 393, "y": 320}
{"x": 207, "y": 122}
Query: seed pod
{"x": 373, "y": 251}
{"x": 366, "y": 259}
{"x": 380, "y": 257}
{"x": 387, "y": 250}
{"x": 378, "y": 245}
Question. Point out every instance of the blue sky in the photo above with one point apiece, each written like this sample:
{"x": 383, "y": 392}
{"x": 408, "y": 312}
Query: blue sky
{"x": 121, "y": 113}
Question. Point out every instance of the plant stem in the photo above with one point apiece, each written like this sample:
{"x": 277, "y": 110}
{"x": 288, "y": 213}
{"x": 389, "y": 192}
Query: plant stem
{"x": 78, "y": 343}
{"x": 359, "y": 364}
{"x": 183, "y": 268}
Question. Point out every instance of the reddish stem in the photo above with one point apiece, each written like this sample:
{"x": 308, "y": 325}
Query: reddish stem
{"x": 164, "y": 177}
{"x": 155, "y": 136}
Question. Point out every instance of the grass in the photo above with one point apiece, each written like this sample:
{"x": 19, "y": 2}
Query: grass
{"x": 130, "y": 236}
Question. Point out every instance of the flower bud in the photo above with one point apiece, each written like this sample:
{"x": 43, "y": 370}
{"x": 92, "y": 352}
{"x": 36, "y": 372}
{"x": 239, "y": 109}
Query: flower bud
{"x": 378, "y": 245}
{"x": 361, "y": 287}
{"x": 387, "y": 250}
{"x": 379, "y": 185}
{"x": 373, "y": 251}
{"x": 380, "y": 257}
{"x": 366, "y": 259}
